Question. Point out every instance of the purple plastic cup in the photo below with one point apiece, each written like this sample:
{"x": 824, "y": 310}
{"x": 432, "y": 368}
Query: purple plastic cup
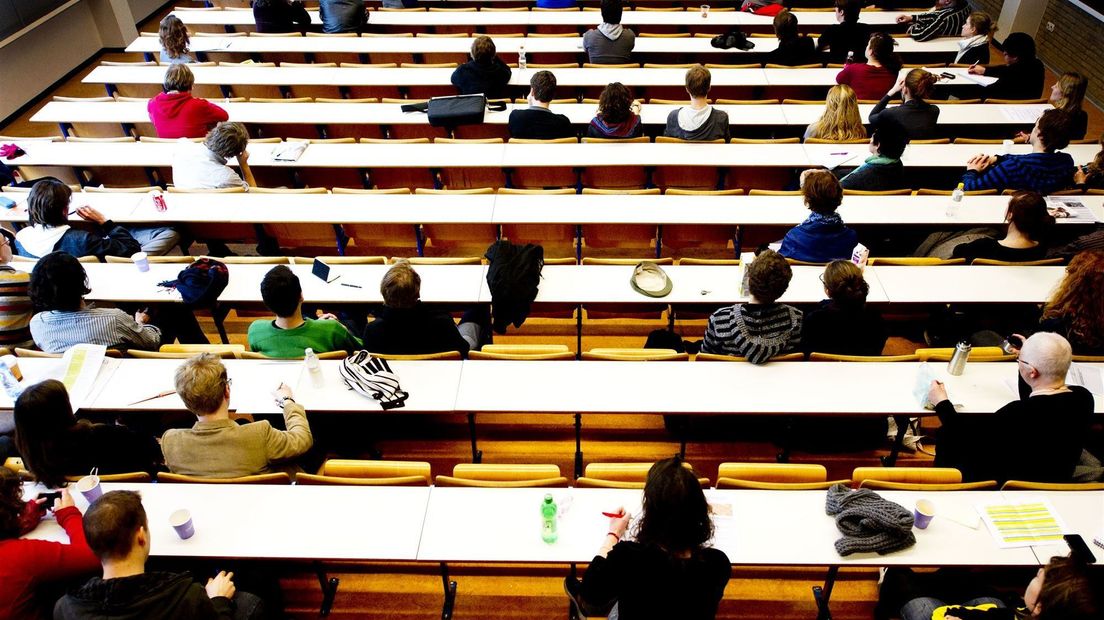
{"x": 181, "y": 521}
{"x": 89, "y": 487}
{"x": 923, "y": 514}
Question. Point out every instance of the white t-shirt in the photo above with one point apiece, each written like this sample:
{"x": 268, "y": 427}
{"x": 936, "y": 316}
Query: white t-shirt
{"x": 197, "y": 167}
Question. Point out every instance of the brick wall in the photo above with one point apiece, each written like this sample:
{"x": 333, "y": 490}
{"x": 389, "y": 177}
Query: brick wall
{"x": 1074, "y": 45}
{"x": 992, "y": 7}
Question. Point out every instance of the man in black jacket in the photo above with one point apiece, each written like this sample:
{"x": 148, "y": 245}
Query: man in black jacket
{"x": 485, "y": 73}
{"x": 118, "y": 533}
{"x": 537, "y": 122}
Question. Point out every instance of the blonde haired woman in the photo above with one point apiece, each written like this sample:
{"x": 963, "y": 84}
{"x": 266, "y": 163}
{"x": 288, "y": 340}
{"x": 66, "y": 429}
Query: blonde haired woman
{"x": 840, "y": 121}
{"x": 1067, "y": 95}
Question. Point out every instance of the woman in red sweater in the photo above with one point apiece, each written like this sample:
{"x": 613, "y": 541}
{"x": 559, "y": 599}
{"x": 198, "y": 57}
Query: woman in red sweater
{"x": 175, "y": 113}
{"x": 872, "y": 79}
{"x": 27, "y": 565}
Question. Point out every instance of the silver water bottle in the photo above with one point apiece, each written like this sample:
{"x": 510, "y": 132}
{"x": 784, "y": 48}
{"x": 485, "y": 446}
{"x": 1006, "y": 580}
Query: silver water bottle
{"x": 957, "y": 365}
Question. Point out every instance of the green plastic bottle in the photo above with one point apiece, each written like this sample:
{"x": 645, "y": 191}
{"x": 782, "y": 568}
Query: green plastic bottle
{"x": 548, "y": 520}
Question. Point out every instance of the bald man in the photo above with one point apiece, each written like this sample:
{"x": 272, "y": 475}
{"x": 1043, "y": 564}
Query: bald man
{"x": 1038, "y": 437}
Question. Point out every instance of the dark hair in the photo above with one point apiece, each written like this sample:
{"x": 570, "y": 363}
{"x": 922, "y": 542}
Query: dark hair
{"x": 698, "y": 80}
{"x": 111, "y": 523}
{"x": 844, "y": 282}
{"x": 48, "y": 203}
{"x": 769, "y": 276}
{"x": 850, "y": 9}
{"x": 882, "y": 49}
{"x": 890, "y": 138}
{"x": 785, "y": 25}
{"x": 401, "y": 286}
{"x": 44, "y": 424}
{"x": 1072, "y": 590}
{"x": 1054, "y": 129}
{"x": 281, "y": 291}
{"x": 11, "y": 504}
{"x": 675, "y": 516}
{"x": 920, "y": 83}
{"x": 1028, "y": 211}
{"x": 615, "y": 103}
{"x": 173, "y": 36}
{"x": 543, "y": 84}
{"x": 58, "y": 282}
{"x": 611, "y": 11}
{"x": 1020, "y": 46}
{"x": 822, "y": 191}
{"x": 483, "y": 49}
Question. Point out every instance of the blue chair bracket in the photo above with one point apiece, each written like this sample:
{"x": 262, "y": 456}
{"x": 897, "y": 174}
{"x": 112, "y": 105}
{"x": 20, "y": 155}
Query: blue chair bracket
{"x": 419, "y": 239}
{"x": 578, "y": 445}
{"x": 65, "y": 129}
{"x": 450, "y": 593}
{"x": 342, "y": 239}
{"x": 148, "y": 56}
{"x": 111, "y": 89}
{"x": 477, "y": 454}
{"x": 823, "y": 595}
{"x": 902, "y": 427}
{"x": 329, "y": 589}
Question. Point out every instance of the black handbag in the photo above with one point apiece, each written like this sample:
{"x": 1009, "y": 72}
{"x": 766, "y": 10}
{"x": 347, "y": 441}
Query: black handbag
{"x": 458, "y": 110}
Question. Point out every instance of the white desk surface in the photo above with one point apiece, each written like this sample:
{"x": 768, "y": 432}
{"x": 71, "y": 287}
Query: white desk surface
{"x": 965, "y": 283}
{"x": 1082, "y": 512}
{"x": 578, "y": 113}
{"x": 317, "y": 522}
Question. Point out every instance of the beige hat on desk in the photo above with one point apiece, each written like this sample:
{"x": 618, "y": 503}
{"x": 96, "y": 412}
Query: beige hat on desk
{"x": 648, "y": 279}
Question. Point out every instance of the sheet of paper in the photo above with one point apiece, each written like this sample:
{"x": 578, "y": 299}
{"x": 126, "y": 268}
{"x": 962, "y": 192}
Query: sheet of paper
{"x": 289, "y": 151}
{"x": 1087, "y": 377}
{"x": 81, "y": 367}
{"x": 1069, "y": 209}
{"x": 725, "y": 531}
{"x": 1022, "y": 525}
{"x": 251, "y": 395}
{"x": 832, "y": 161}
{"x": 1020, "y": 114}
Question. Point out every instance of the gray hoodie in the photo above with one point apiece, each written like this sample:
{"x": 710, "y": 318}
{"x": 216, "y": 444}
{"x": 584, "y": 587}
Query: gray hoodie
{"x": 702, "y": 125}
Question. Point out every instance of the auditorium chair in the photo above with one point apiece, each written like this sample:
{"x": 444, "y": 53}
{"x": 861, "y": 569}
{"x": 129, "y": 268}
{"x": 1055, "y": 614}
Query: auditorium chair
{"x": 915, "y": 479}
{"x": 774, "y": 476}
{"x": 502, "y": 476}
{"x": 520, "y": 352}
{"x": 1025, "y": 485}
{"x": 350, "y": 472}
{"x": 621, "y": 476}
{"x": 266, "y": 479}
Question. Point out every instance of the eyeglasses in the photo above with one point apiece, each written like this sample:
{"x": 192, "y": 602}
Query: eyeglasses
{"x": 1019, "y": 360}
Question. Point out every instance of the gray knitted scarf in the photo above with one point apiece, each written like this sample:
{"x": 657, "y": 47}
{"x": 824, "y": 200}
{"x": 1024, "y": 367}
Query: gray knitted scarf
{"x": 868, "y": 522}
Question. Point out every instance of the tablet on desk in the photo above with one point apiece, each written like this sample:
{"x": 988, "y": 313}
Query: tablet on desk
{"x": 322, "y": 270}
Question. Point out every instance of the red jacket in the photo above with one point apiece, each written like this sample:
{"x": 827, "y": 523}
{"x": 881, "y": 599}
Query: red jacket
{"x": 180, "y": 115}
{"x": 868, "y": 81}
{"x": 27, "y": 564}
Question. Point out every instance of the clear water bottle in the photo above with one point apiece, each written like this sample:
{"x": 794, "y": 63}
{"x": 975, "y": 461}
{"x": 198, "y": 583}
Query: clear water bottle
{"x": 956, "y": 200}
{"x": 313, "y": 367}
{"x": 548, "y": 520}
{"x": 521, "y": 58}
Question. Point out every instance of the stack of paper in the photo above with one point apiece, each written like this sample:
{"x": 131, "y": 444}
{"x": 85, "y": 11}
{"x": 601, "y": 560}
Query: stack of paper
{"x": 964, "y": 75}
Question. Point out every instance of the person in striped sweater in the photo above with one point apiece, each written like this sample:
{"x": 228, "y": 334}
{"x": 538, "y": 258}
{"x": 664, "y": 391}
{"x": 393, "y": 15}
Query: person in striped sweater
{"x": 944, "y": 20}
{"x": 761, "y": 328}
{"x": 15, "y": 303}
{"x": 1042, "y": 170}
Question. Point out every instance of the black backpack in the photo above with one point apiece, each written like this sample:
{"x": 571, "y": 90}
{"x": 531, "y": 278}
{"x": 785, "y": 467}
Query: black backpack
{"x": 513, "y": 277}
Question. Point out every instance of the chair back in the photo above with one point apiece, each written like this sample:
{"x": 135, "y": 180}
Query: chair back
{"x": 714, "y": 357}
{"x": 274, "y": 478}
{"x": 912, "y": 261}
{"x": 985, "y": 485}
{"x": 353, "y": 472}
{"x": 443, "y": 355}
{"x": 835, "y": 357}
{"x": 911, "y": 475}
{"x": 133, "y": 476}
{"x": 503, "y": 476}
{"x": 1025, "y": 485}
{"x": 1026, "y": 263}
{"x": 635, "y": 355}
{"x": 621, "y": 475}
{"x": 977, "y": 354}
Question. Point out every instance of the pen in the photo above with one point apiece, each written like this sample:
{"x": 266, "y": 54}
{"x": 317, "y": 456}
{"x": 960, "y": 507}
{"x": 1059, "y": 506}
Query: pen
{"x": 613, "y": 515}
{"x": 351, "y": 285}
{"x": 838, "y": 153}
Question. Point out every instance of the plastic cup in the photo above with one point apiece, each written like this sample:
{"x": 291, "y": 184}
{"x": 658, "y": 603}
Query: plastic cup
{"x": 89, "y": 487}
{"x": 12, "y": 363}
{"x": 705, "y": 10}
{"x": 1007, "y": 144}
{"x": 923, "y": 514}
{"x": 181, "y": 521}
{"x": 141, "y": 261}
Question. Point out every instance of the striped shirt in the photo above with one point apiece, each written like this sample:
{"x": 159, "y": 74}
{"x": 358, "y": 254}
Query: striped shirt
{"x": 755, "y": 331}
{"x": 940, "y": 23}
{"x": 1038, "y": 172}
{"x": 55, "y": 331}
{"x": 15, "y": 308}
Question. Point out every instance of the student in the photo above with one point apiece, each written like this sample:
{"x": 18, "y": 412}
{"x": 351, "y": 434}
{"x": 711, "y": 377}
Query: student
{"x": 668, "y": 570}
{"x": 484, "y": 74}
{"x": 406, "y": 326}
{"x": 1021, "y": 77}
{"x": 1029, "y": 223}
{"x": 175, "y": 113}
{"x": 48, "y": 212}
{"x": 944, "y": 20}
{"x": 537, "y": 122}
{"x": 845, "y": 40}
{"x": 29, "y": 566}
{"x": 793, "y": 48}
{"x": 763, "y": 7}
{"x": 609, "y": 44}
{"x": 761, "y": 328}
{"x": 289, "y": 334}
{"x": 218, "y": 447}
{"x": 1042, "y": 170}
{"x": 173, "y": 35}
{"x": 1067, "y": 95}
{"x": 55, "y": 444}
{"x": 878, "y": 74}
{"x": 883, "y": 170}
{"x": 281, "y": 16}
{"x": 822, "y": 237}
{"x": 617, "y": 117}
{"x": 15, "y": 302}
{"x": 203, "y": 166}
{"x": 840, "y": 121}
{"x": 977, "y": 32}
{"x": 118, "y": 533}
{"x": 342, "y": 15}
{"x": 1025, "y": 439}
{"x": 1076, "y": 308}
{"x": 699, "y": 121}
{"x": 844, "y": 323}
{"x": 1091, "y": 175}
{"x": 917, "y": 117}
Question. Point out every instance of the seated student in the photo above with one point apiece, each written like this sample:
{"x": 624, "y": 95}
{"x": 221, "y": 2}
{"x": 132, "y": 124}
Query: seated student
{"x": 977, "y": 32}
{"x": 944, "y": 20}
{"x": 173, "y": 35}
{"x": 1021, "y": 77}
{"x": 289, "y": 334}
{"x": 846, "y": 39}
{"x": 761, "y": 328}
{"x": 1068, "y": 95}
{"x": 917, "y": 117}
{"x": 1042, "y": 170}
{"x": 406, "y": 326}
{"x": 218, "y": 447}
{"x": 281, "y": 16}
{"x": 175, "y": 113}
{"x": 29, "y": 566}
{"x": 793, "y": 48}
{"x": 1037, "y": 438}
{"x": 844, "y": 324}
{"x": 537, "y": 122}
{"x": 822, "y": 237}
{"x": 485, "y": 73}
{"x": 1091, "y": 175}
{"x": 342, "y": 15}
{"x": 617, "y": 116}
{"x": 55, "y": 444}
{"x": 763, "y": 7}
{"x": 118, "y": 533}
{"x": 878, "y": 74}
{"x": 15, "y": 302}
{"x": 48, "y": 212}
{"x": 609, "y": 44}
{"x": 699, "y": 121}
{"x": 840, "y": 121}
{"x": 668, "y": 570}
{"x": 1028, "y": 225}
{"x": 883, "y": 170}
{"x": 203, "y": 166}
{"x": 1076, "y": 309}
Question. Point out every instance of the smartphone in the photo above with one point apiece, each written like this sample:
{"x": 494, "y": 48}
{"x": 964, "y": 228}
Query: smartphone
{"x": 56, "y": 495}
{"x": 1079, "y": 549}
{"x": 1011, "y": 344}
{"x": 947, "y": 76}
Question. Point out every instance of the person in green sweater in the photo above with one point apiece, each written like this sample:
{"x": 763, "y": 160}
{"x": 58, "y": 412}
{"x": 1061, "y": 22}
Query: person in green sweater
{"x": 289, "y": 334}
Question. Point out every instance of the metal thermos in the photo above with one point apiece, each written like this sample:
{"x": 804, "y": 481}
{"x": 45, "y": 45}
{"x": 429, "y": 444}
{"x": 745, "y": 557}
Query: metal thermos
{"x": 957, "y": 365}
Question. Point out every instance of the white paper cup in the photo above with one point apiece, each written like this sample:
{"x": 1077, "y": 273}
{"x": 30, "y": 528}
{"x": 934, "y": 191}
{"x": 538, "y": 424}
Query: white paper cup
{"x": 705, "y": 10}
{"x": 141, "y": 261}
{"x": 89, "y": 487}
{"x": 181, "y": 521}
